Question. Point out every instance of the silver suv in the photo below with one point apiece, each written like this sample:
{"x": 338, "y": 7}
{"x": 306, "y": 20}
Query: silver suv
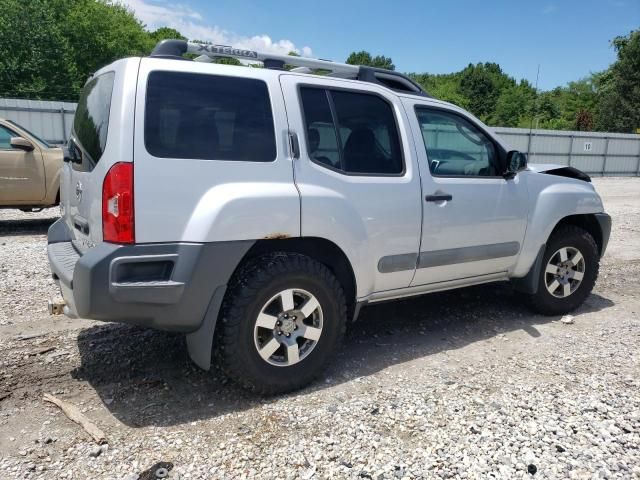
{"x": 258, "y": 210}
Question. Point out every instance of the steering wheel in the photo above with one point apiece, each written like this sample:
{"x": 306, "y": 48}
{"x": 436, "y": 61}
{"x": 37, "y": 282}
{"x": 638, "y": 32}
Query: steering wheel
{"x": 439, "y": 156}
{"x": 447, "y": 154}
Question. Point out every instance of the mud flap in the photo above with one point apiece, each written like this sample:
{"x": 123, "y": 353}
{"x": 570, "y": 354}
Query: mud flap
{"x": 200, "y": 342}
{"x": 529, "y": 283}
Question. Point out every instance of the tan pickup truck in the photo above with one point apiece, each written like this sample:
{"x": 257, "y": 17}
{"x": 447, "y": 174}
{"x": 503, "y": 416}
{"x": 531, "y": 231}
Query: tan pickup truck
{"x": 29, "y": 169}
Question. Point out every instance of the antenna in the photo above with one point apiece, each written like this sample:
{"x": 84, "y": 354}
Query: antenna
{"x": 535, "y": 113}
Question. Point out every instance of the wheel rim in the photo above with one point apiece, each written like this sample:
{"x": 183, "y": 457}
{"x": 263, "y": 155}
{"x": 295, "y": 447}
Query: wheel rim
{"x": 564, "y": 272}
{"x": 288, "y": 327}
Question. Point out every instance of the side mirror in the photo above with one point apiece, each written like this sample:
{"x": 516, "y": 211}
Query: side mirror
{"x": 516, "y": 162}
{"x": 21, "y": 144}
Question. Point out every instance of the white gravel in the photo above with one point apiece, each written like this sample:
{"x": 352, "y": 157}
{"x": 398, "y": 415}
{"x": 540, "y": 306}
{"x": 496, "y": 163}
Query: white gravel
{"x": 465, "y": 384}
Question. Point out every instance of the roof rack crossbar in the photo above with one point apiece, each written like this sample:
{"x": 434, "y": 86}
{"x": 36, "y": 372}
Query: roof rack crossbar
{"x": 214, "y": 51}
{"x": 208, "y": 52}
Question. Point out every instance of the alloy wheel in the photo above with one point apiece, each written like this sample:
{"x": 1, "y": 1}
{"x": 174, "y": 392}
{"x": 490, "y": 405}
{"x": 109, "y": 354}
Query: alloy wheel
{"x": 288, "y": 327}
{"x": 564, "y": 272}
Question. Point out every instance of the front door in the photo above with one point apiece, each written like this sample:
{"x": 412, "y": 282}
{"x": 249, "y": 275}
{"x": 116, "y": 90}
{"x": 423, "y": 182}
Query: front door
{"x": 474, "y": 220}
{"x": 21, "y": 173}
{"x": 357, "y": 176}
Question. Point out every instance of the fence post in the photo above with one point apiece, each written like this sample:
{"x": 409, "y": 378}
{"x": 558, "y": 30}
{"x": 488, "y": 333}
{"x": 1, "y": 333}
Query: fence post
{"x": 638, "y": 170}
{"x": 64, "y": 126}
{"x": 571, "y": 148}
{"x": 606, "y": 151}
{"x": 529, "y": 146}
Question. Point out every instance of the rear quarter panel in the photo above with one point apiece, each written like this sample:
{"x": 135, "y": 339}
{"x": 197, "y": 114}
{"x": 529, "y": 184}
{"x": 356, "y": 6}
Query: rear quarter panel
{"x": 194, "y": 200}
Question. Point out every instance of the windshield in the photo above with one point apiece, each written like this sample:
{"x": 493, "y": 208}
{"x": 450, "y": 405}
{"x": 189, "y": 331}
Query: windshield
{"x": 40, "y": 140}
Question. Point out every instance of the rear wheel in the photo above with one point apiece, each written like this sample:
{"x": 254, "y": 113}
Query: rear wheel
{"x": 282, "y": 321}
{"x": 569, "y": 271}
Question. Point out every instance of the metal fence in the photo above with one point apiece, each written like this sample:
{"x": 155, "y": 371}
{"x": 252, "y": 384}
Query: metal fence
{"x": 596, "y": 153}
{"x": 50, "y": 120}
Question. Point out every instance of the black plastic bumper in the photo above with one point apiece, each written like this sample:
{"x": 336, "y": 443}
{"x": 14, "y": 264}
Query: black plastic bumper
{"x": 168, "y": 286}
{"x": 605, "y": 228}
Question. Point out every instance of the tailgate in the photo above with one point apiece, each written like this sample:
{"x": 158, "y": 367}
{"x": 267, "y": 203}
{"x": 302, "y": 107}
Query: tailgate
{"x": 102, "y": 135}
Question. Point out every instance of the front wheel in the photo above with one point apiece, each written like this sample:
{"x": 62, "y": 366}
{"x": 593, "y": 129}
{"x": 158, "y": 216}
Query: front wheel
{"x": 569, "y": 271}
{"x": 283, "y": 319}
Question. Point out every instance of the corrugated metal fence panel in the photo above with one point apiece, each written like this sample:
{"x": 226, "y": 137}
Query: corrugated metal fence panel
{"x": 50, "y": 120}
{"x": 596, "y": 153}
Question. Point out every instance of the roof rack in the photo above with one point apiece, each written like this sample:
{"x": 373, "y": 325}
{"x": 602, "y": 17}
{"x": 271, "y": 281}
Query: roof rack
{"x": 207, "y": 53}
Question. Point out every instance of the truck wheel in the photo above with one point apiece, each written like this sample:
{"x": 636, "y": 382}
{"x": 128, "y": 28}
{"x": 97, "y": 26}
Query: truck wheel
{"x": 569, "y": 271}
{"x": 283, "y": 319}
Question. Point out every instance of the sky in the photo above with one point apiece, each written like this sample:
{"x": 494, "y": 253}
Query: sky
{"x": 569, "y": 39}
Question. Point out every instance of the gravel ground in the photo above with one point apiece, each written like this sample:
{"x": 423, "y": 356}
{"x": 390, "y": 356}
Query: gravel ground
{"x": 462, "y": 384}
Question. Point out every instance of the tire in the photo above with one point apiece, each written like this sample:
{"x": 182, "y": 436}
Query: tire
{"x": 570, "y": 239}
{"x": 257, "y": 296}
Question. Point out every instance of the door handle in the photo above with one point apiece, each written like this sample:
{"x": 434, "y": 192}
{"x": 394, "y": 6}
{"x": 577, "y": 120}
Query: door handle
{"x": 441, "y": 197}
{"x": 294, "y": 146}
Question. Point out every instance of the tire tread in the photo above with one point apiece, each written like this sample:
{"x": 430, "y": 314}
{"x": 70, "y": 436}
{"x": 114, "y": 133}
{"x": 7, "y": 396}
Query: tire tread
{"x": 242, "y": 290}
{"x": 541, "y": 301}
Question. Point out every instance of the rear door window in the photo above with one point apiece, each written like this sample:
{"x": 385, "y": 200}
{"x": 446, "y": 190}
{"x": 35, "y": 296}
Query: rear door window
{"x": 91, "y": 121}
{"x": 208, "y": 117}
{"x": 352, "y": 132}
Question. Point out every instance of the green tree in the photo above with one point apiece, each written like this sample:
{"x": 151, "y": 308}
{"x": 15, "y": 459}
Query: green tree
{"x": 619, "y": 88}
{"x": 36, "y": 60}
{"x": 364, "y": 58}
{"x": 479, "y": 84}
{"x": 48, "y": 48}
{"x": 511, "y": 106}
{"x": 99, "y": 33}
{"x": 584, "y": 121}
{"x": 228, "y": 61}
{"x": 165, "y": 33}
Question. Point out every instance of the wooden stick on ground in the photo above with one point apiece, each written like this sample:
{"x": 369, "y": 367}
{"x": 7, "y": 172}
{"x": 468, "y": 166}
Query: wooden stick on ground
{"x": 76, "y": 415}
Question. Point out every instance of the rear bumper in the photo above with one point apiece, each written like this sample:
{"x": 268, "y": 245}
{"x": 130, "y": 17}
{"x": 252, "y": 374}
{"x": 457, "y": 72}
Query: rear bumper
{"x": 167, "y": 286}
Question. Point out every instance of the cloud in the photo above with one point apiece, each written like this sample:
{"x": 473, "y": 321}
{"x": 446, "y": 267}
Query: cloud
{"x": 191, "y": 24}
{"x": 549, "y": 9}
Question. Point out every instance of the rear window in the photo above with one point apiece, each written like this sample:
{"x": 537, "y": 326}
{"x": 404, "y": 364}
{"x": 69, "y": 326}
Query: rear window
{"x": 208, "y": 117}
{"x": 91, "y": 121}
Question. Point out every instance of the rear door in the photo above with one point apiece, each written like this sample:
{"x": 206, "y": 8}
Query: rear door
{"x": 357, "y": 175}
{"x": 21, "y": 173}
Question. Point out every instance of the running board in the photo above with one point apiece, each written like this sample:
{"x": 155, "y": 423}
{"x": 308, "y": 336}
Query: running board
{"x": 436, "y": 287}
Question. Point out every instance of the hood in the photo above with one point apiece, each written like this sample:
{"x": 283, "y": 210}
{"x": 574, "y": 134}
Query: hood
{"x": 560, "y": 170}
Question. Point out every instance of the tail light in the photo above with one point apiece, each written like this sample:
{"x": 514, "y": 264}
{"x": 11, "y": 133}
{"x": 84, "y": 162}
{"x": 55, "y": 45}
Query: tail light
{"x": 117, "y": 204}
